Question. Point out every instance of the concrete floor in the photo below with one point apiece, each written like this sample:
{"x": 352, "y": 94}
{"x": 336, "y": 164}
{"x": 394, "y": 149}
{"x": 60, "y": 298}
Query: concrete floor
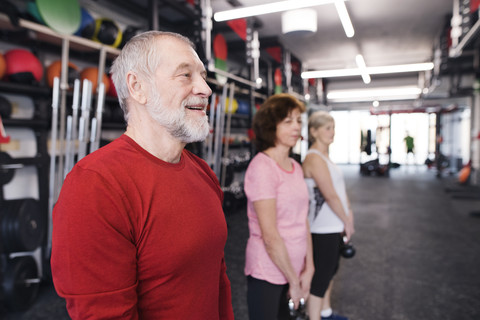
{"x": 418, "y": 252}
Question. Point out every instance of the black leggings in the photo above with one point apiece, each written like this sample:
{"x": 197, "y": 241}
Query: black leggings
{"x": 266, "y": 301}
{"x": 326, "y": 258}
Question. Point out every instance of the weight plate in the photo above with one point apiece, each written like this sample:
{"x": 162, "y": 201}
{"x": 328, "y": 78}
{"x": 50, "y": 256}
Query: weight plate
{"x": 20, "y": 283}
{"x": 23, "y": 225}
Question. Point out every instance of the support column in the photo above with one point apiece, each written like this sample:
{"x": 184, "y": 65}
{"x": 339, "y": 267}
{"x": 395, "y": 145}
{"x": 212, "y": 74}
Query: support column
{"x": 475, "y": 134}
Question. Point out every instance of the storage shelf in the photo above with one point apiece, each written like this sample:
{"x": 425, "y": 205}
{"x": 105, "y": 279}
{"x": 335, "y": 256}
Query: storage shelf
{"x": 31, "y": 123}
{"x": 45, "y": 34}
{"x": 469, "y": 37}
{"x": 19, "y": 88}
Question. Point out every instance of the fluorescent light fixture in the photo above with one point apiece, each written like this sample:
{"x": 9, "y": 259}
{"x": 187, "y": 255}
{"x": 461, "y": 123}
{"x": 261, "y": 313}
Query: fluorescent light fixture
{"x": 268, "y": 8}
{"x": 363, "y": 68}
{"x": 344, "y": 18}
{"x": 372, "y": 94}
{"x": 415, "y": 67}
{"x": 299, "y": 22}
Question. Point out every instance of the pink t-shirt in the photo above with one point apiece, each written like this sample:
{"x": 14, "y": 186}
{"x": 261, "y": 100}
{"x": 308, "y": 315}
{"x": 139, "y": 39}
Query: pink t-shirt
{"x": 264, "y": 179}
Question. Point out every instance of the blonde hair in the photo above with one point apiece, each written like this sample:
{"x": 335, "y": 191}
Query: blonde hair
{"x": 317, "y": 120}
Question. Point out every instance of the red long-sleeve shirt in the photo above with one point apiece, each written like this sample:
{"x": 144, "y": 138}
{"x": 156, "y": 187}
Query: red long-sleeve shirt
{"x": 135, "y": 237}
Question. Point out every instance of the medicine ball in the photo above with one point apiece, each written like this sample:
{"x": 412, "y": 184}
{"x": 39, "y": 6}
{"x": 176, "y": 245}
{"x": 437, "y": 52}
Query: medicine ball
{"x": 23, "y": 66}
{"x": 5, "y": 108}
{"x": 3, "y": 65}
{"x": 33, "y": 13}
{"x": 129, "y": 33}
{"x": 85, "y": 20}
{"x": 91, "y": 73}
{"x": 105, "y": 31}
{"x": 55, "y": 69}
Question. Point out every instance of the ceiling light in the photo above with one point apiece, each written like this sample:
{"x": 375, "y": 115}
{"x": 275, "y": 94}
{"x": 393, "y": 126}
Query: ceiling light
{"x": 372, "y": 94}
{"x": 363, "y": 68}
{"x": 268, "y": 8}
{"x": 344, "y": 18}
{"x": 415, "y": 67}
{"x": 299, "y": 22}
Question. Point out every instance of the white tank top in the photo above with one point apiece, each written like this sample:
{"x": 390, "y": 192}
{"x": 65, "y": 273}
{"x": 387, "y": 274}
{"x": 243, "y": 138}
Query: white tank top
{"x": 321, "y": 216}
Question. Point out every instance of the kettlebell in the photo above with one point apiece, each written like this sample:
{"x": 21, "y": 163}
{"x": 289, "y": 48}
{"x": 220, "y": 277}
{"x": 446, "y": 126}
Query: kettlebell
{"x": 347, "y": 249}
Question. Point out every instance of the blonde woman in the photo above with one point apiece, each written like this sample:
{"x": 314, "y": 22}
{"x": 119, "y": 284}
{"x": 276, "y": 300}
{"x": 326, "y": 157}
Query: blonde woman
{"x": 330, "y": 215}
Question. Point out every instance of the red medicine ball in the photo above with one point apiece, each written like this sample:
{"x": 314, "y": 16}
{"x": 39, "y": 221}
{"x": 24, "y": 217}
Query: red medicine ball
{"x": 111, "y": 90}
{"x": 23, "y": 66}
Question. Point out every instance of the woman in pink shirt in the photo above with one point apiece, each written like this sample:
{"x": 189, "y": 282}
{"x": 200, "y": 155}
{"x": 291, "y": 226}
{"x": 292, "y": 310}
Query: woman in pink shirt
{"x": 279, "y": 263}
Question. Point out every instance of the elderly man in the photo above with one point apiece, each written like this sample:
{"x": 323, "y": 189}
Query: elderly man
{"x": 138, "y": 229}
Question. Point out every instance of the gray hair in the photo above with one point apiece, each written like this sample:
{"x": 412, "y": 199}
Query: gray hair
{"x": 317, "y": 120}
{"x": 142, "y": 57}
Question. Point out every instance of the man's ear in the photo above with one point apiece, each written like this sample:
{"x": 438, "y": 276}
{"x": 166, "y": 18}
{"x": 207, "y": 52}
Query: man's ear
{"x": 137, "y": 88}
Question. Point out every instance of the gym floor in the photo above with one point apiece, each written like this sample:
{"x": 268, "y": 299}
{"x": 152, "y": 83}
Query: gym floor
{"x": 418, "y": 252}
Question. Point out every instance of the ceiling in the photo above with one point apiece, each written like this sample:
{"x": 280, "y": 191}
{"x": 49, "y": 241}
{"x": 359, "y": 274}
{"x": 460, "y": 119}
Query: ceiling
{"x": 386, "y": 33}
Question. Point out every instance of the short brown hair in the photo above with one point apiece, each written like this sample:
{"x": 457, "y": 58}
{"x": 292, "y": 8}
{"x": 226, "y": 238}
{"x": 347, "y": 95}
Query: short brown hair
{"x": 271, "y": 113}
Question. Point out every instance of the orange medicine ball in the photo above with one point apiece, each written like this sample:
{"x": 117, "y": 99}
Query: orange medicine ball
{"x": 3, "y": 65}
{"x": 91, "y": 73}
{"x": 55, "y": 69}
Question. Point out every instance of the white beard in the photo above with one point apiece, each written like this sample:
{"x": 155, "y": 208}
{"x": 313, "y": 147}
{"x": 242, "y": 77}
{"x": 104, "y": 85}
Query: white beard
{"x": 175, "y": 120}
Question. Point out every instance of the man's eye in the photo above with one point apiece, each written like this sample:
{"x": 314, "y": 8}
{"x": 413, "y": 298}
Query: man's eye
{"x": 187, "y": 75}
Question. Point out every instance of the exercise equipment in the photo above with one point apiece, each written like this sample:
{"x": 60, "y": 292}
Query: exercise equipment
{"x": 52, "y": 179}
{"x": 91, "y": 74}
{"x": 231, "y": 107}
{"x": 20, "y": 283}
{"x": 83, "y": 129}
{"x": 71, "y": 134}
{"x": 5, "y": 108}
{"x": 55, "y": 68}
{"x": 33, "y": 13}
{"x": 85, "y": 20}
{"x": 23, "y": 225}
{"x": 3, "y": 65}
{"x": 373, "y": 167}
{"x": 63, "y": 16}
{"x": 277, "y": 78}
{"x": 4, "y": 138}
{"x": 347, "y": 249}
{"x": 464, "y": 174}
{"x": 112, "y": 91}
{"x": 243, "y": 107}
{"x": 7, "y": 170}
{"x": 97, "y": 120}
{"x": 103, "y": 30}
{"x": 300, "y": 313}
{"x": 129, "y": 33}
{"x": 23, "y": 66}
{"x": 221, "y": 52}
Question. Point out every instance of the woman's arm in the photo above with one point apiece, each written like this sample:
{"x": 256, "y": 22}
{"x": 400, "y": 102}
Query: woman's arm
{"x": 317, "y": 168}
{"x": 267, "y": 218}
{"x": 307, "y": 272}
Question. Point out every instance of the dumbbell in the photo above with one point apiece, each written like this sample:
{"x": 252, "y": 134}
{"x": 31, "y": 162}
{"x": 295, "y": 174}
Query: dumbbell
{"x": 297, "y": 314}
{"x": 7, "y": 169}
